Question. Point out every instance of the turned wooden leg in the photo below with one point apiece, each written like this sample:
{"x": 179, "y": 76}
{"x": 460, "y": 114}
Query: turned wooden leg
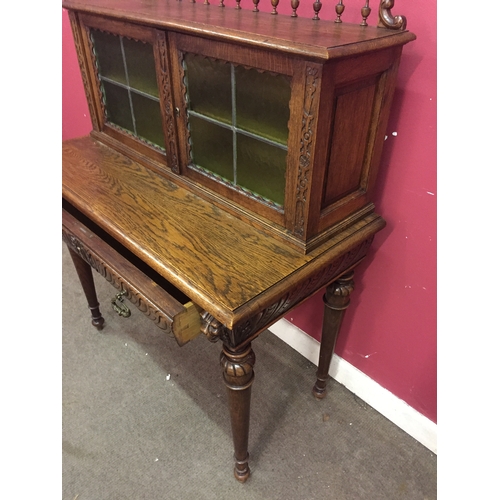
{"x": 237, "y": 370}
{"x": 84, "y": 272}
{"x": 336, "y": 301}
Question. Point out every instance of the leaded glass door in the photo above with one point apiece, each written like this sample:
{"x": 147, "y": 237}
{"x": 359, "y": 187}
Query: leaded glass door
{"x": 238, "y": 124}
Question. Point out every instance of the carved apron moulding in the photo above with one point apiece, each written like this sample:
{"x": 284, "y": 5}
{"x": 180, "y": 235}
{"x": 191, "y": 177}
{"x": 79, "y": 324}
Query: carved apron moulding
{"x": 139, "y": 300}
{"x": 215, "y": 330}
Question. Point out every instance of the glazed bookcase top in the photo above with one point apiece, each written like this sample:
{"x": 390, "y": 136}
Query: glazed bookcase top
{"x": 278, "y": 120}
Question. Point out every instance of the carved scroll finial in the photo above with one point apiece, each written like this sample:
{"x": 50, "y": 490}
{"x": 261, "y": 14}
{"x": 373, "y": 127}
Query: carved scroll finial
{"x": 387, "y": 20}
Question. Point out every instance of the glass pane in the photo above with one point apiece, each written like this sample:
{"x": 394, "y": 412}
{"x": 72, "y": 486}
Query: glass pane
{"x": 209, "y": 87}
{"x": 109, "y": 56}
{"x": 141, "y": 70}
{"x": 117, "y": 105}
{"x": 261, "y": 168}
{"x": 148, "y": 119}
{"x": 212, "y": 147}
{"x": 262, "y": 103}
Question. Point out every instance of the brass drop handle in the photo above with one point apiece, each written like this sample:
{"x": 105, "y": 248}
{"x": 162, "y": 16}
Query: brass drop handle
{"x": 119, "y": 306}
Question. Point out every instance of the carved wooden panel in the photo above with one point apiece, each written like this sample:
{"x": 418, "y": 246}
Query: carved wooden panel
{"x": 166, "y": 102}
{"x": 246, "y": 331}
{"x": 132, "y": 293}
{"x": 83, "y": 69}
{"x": 387, "y": 19}
{"x": 303, "y": 189}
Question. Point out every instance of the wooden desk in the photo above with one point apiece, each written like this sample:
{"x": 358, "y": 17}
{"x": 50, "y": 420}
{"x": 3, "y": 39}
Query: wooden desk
{"x": 143, "y": 228}
{"x": 221, "y": 214}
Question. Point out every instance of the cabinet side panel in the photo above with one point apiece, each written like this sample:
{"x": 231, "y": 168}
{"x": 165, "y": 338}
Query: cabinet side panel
{"x": 353, "y": 112}
{"x": 359, "y": 124}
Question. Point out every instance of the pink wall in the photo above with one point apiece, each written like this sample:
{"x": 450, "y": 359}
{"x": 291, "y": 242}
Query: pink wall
{"x": 389, "y": 331}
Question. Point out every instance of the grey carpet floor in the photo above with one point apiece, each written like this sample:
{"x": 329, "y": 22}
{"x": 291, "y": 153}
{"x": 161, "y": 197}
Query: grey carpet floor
{"x": 146, "y": 419}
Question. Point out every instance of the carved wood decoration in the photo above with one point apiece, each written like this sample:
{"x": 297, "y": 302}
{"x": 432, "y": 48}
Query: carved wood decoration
{"x": 97, "y": 88}
{"x": 316, "y": 7}
{"x": 307, "y": 135}
{"x": 339, "y": 9}
{"x": 248, "y": 330}
{"x": 365, "y": 12}
{"x": 182, "y": 88}
{"x": 299, "y": 215}
{"x": 237, "y": 371}
{"x": 132, "y": 293}
{"x": 199, "y": 250}
{"x": 166, "y": 103}
{"x": 83, "y": 69}
{"x": 387, "y": 20}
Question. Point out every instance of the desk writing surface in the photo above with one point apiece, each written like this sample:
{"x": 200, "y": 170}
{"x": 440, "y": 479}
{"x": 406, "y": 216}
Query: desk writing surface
{"x": 220, "y": 262}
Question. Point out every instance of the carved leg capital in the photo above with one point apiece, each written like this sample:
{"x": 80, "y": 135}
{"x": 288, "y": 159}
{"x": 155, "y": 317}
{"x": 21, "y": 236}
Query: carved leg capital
{"x": 238, "y": 374}
{"x": 338, "y": 293}
{"x": 336, "y": 300}
{"x": 237, "y": 367}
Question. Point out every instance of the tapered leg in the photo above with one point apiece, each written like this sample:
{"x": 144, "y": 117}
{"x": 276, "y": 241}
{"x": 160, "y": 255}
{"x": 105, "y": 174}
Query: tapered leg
{"x": 84, "y": 272}
{"x": 336, "y": 300}
{"x": 237, "y": 370}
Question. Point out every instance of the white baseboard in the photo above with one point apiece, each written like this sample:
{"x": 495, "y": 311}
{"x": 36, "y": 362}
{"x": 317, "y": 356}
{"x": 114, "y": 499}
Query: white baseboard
{"x": 396, "y": 410}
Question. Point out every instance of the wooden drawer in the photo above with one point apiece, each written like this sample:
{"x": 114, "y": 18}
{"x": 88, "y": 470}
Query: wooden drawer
{"x": 169, "y": 308}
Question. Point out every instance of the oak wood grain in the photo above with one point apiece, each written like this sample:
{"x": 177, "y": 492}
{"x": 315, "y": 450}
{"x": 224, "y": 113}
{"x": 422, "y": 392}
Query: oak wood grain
{"x": 221, "y": 263}
{"x": 195, "y": 254}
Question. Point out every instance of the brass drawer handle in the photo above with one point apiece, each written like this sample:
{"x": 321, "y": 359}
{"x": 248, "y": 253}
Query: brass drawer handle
{"x": 119, "y": 306}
